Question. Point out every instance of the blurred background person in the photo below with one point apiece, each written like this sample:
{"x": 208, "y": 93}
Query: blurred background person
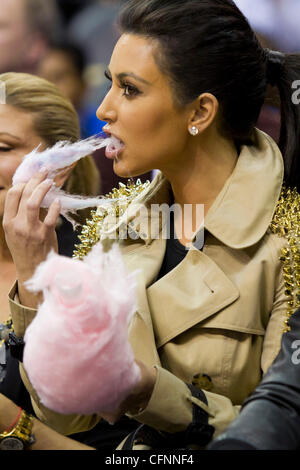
{"x": 64, "y": 65}
{"x": 93, "y": 28}
{"x": 69, "y": 8}
{"x": 27, "y": 27}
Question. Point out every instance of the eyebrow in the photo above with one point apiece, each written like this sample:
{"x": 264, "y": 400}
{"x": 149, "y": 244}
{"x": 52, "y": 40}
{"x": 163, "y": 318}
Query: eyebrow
{"x": 10, "y": 135}
{"x": 123, "y": 75}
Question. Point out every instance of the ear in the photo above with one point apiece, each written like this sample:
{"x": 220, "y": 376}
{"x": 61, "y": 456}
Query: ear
{"x": 63, "y": 175}
{"x": 205, "y": 109}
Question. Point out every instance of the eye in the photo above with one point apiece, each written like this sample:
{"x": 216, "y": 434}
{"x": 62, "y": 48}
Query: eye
{"x": 5, "y": 149}
{"x": 129, "y": 90}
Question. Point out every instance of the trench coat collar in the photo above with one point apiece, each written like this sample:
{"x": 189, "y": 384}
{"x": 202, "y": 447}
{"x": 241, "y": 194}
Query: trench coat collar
{"x": 243, "y": 210}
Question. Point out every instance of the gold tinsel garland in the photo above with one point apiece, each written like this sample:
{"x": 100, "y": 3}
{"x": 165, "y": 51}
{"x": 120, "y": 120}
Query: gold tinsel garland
{"x": 122, "y": 197}
{"x": 286, "y": 223}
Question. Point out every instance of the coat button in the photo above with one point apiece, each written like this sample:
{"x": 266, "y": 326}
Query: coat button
{"x": 202, "y": 381}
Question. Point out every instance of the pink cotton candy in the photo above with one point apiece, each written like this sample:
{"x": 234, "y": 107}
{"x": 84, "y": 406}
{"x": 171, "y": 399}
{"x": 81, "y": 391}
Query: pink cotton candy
{"x": 77, "y": 354}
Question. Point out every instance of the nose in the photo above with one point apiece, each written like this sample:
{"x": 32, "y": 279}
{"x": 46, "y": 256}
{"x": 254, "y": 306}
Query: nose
{"x": 107, "y": 110}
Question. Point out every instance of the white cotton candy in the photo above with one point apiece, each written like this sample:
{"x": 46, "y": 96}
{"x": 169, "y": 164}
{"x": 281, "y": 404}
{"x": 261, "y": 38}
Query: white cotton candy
{"x": 62, "y": 155}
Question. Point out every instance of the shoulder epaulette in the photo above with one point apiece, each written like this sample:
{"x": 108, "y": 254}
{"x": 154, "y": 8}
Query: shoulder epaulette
{"x": 286, "y": 223}
{"x": 121, "y": 198}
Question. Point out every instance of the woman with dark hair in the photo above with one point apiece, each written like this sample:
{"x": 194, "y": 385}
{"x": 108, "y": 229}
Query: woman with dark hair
{"x": 188, "y": 82}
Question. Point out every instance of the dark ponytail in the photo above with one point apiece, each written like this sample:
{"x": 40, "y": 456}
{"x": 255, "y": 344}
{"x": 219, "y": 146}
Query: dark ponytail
{"x": 209, "y": 46}
{"x": 283, "y": 72}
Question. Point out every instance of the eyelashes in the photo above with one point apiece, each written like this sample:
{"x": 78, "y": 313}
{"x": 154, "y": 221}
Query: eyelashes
{"x": 129, "y": 89}
{"x": 107, "y": 75}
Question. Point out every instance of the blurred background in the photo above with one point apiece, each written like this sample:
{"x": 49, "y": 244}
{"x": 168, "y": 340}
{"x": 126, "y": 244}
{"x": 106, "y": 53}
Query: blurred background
{"x": 69, "y": 42}
{"x": 276, "y": 23}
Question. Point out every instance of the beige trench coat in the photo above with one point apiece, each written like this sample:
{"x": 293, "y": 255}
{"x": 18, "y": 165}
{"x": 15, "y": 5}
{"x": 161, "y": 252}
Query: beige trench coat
{"x": 220, "y": 312}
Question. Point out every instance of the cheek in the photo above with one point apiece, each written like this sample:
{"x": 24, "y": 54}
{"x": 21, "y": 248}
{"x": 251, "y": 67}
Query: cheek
{"x": 158, "y": 134}
{"x": 145, "y": 118}
{"x": 10, "y": 39}
{"x": 8, "y": 167}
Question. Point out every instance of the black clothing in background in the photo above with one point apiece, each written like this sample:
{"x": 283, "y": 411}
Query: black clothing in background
{"x": 67, "y": 238}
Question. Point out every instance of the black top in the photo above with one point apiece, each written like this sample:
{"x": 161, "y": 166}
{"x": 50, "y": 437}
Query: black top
{"x": 175, "y": 251}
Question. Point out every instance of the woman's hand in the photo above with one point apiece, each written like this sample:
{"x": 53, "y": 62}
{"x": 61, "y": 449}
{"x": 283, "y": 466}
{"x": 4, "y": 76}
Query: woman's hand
{"x": 29, "y": 238}
{"x": 139, "y": 398}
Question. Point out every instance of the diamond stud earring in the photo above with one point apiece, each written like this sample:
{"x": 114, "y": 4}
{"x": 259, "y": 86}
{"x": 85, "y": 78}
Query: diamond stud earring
{"x": 194, "y": 130}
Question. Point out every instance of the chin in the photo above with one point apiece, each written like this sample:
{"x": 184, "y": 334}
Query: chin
{"x": 125, "y": 172}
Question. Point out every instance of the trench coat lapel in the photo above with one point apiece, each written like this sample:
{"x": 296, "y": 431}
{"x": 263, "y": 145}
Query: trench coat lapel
{"x": 195, "y": 290}
{"x": 192, "y": 292}
{"x": 146, "y": 260}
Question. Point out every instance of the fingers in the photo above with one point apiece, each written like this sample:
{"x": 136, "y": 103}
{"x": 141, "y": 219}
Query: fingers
{"x": 12, "y": 202}
{"x": 25, "y": 199}
{"x": 32, "y": 184}
{"x": 33, "y": 204}
{"x": 53, "y": 213}
{"x": 37, "y": 178}
{"x": 28, "y": 238}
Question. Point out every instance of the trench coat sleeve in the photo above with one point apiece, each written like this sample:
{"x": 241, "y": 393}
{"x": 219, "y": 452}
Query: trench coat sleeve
{"x": 171, "y": 406}
{"x": 276, "y": 321}
{"x": 21, "y": 316}
{"x": 64, "y": 424}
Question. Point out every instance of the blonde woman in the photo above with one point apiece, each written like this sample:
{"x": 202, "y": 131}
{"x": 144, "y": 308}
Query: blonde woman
{"x": 36, "y": 113}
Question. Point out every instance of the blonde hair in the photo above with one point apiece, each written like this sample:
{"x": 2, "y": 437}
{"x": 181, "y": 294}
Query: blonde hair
{"x": 54, "y": 119}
